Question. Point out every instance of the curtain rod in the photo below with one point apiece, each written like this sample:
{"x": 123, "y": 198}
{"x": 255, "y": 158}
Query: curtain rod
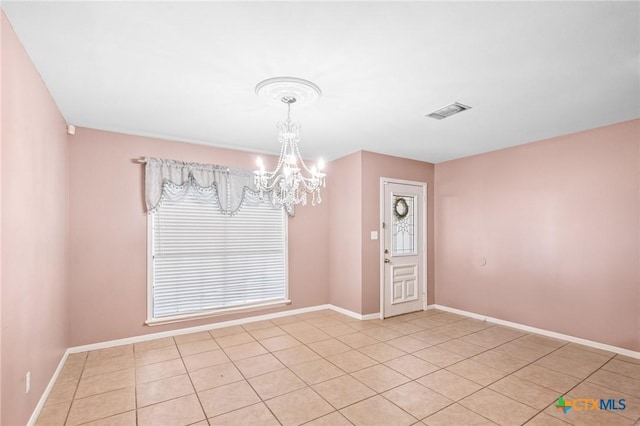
{"x": 144, "y": 161}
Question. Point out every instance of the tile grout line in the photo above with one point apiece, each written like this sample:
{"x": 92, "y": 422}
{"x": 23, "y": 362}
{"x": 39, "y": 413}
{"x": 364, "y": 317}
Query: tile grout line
{"x": 74, "y": 399}
{"x": 195, "y": 391}
{"x": 135, "y": 383}
{"x": 84, "y": 364}
{"x": 251, "y": 386}
{"x": 621, "y": 374}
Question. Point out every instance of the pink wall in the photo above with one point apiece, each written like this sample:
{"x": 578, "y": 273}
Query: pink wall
{"x": 354, "y": 194}
{"x": 34, "y": 232}
{"x": 2, "y": 25}
{"x": 345, "y": 229}
{"x": 108, "y": 236}
{"x": 558, "y": 224}
{"x": 375, "y": 166}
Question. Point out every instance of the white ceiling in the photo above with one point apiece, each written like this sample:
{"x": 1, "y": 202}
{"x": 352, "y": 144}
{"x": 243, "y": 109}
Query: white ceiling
{"x": 187, "y": 71}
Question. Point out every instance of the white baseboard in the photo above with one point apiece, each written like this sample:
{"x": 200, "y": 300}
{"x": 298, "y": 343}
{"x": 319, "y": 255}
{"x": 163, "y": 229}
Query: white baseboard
{"x": 553, "y": 334}
{"x": 206, "y": 327}
{"x": 47, "y": 391}
{"x": 354, "y": 314}
{"x": 370, "y": 316}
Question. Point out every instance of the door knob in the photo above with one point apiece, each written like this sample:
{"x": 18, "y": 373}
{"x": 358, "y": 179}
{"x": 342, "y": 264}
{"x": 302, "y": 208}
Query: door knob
{"x": 387, "y": 261}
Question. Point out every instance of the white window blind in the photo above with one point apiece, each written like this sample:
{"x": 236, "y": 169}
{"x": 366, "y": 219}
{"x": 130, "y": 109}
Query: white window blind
{"x": 203, "y": 260}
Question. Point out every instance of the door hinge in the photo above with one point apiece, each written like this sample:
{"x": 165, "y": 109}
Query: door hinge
{"x": 383, "y": 225}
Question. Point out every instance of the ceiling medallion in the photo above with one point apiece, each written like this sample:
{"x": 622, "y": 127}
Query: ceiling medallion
{"x": 291, "y": 180}
{"x": 273, "y": 90}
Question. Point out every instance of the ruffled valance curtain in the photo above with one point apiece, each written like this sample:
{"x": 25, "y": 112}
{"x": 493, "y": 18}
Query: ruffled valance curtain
{"x": 171, "y": 180}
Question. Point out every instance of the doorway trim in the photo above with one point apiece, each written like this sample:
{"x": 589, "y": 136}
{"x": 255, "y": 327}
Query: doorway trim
{"x": 423, "y": 185}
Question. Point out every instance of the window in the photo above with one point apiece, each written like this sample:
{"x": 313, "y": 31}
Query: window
{"x": 203, "y": 262}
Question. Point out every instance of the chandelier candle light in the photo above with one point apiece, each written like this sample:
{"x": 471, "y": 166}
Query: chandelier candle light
{"x": 292, "y": 180}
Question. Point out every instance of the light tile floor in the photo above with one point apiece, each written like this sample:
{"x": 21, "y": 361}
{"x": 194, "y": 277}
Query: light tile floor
{"x": 324, "y": 368}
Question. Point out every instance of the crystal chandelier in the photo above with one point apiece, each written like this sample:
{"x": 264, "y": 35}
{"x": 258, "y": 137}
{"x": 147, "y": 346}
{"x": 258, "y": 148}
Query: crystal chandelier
{"x": 291, "y": 180}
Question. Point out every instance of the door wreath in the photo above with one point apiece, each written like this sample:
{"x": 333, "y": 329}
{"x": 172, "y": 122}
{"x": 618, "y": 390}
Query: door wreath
{"x": 400, "y": 208}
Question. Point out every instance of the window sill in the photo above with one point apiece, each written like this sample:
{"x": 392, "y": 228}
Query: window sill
{"x": 200, "y": 315}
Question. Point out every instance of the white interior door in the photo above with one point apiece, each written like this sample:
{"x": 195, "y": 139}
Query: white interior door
{"x": 403, "y": 248}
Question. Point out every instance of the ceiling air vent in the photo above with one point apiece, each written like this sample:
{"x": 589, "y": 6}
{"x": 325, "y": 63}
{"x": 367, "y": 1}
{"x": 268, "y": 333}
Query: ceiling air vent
{"x": 448, "y": 111}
